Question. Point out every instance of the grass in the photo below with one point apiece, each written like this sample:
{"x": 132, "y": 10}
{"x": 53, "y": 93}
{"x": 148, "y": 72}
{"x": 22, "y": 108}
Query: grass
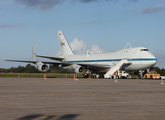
{"x": 134, "y": 76}
{"x": 39, "y": 75}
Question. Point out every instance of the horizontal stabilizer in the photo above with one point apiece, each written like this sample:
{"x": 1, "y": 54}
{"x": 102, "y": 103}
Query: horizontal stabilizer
{"x": 52, "y": 58}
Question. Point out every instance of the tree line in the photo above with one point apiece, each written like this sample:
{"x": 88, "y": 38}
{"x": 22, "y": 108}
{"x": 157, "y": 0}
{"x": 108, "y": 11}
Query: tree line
{"x": 54, "y": 69}
{"x": 32, "y": 69}
{"x": 160, "y": 71}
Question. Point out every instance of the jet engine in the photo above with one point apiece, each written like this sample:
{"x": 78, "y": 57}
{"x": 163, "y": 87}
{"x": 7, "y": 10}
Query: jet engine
{"x": 42, "y": 67}
{"x": 80, "y": 70}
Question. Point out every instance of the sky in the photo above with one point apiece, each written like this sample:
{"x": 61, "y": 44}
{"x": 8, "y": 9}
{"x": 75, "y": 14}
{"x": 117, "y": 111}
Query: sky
{"x": 106, "y": 25}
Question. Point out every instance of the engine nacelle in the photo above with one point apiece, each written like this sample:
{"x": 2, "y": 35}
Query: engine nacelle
{"x": 80, "y": 70}
{"x": 42, "y": 67}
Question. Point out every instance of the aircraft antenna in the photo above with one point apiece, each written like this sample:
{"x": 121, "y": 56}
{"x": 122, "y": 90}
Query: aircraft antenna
{"x": 89, "y": 53}
{"x": 127, "y": 45}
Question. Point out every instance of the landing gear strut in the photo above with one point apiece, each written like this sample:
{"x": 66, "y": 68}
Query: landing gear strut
{"x": 140, "y": 74}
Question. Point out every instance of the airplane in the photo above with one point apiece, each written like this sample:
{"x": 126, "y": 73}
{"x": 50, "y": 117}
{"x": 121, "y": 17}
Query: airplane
{"x": 105, "y": 64}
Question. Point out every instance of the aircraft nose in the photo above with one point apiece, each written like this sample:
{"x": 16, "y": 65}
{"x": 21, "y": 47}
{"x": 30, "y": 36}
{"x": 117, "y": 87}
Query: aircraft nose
{"x": 154, "y": 61}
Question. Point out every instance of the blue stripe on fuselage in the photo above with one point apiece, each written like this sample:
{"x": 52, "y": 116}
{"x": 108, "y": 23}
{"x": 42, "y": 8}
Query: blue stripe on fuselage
{"x": 112, "y": 60}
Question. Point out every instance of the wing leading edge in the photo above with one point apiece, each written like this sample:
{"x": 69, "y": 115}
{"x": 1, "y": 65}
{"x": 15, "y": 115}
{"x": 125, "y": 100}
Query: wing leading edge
{"x": 45, "y": 62}
{"x": 94, "y": 67}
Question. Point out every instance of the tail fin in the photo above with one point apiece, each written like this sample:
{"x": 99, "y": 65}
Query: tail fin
{"x": 64, "y": 46}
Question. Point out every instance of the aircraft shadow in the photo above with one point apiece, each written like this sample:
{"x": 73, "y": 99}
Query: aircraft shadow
{"x": 49, "y": 117}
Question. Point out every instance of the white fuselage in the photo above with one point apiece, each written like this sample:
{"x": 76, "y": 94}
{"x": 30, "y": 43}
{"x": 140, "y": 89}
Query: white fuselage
{"x": 140, "y": 58}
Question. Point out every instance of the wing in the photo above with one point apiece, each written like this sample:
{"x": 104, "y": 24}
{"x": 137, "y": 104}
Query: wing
{"x": 93, "y": 67}
{"x": 45, "y": 62}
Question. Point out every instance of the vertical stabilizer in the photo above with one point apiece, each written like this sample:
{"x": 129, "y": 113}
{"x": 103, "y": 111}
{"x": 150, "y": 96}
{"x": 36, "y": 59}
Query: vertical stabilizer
{"x": 33, "y": 53}
{"x": 64, "y": 46}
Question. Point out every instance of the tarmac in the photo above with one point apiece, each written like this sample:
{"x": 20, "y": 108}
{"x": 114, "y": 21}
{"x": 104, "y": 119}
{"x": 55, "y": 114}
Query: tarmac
{"x": 84, "y": 99}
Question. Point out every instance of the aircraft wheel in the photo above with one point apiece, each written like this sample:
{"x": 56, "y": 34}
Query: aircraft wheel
{"x": 101, "y": 76}
{"x": 94, "y": 76}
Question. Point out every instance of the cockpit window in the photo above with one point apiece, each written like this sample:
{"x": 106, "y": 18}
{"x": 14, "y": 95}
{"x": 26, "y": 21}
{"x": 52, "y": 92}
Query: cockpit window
{"x": 144, "y": 50}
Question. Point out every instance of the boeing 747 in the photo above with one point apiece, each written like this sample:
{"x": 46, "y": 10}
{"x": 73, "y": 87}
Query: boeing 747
{"x": 105, "y": 64}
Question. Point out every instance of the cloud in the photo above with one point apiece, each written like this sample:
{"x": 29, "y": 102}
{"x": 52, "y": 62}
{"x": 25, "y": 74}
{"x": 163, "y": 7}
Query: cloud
{"x": 96, "y": 49}
{"x": 48, "y": 4}
{"x": 109, "y": 0}
{"x": 40, "y": 4}
{"x": 151, "y": 9}
{"x": 133, "y": 0}
{"x": 78, "y": 45}
{"x": 87, "y": 1}
{"x": 10, "y": 25}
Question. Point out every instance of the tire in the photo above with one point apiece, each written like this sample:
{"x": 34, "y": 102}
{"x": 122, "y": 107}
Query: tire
{"x": 101, "y": 76}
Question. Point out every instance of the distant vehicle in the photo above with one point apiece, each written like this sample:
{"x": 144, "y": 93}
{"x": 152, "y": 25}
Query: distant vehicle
{"x": 162, "y": 77}
{"x": 123, "y": 74}
{"x": 152, "y": 76}
{"x": 105, "y": 64}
